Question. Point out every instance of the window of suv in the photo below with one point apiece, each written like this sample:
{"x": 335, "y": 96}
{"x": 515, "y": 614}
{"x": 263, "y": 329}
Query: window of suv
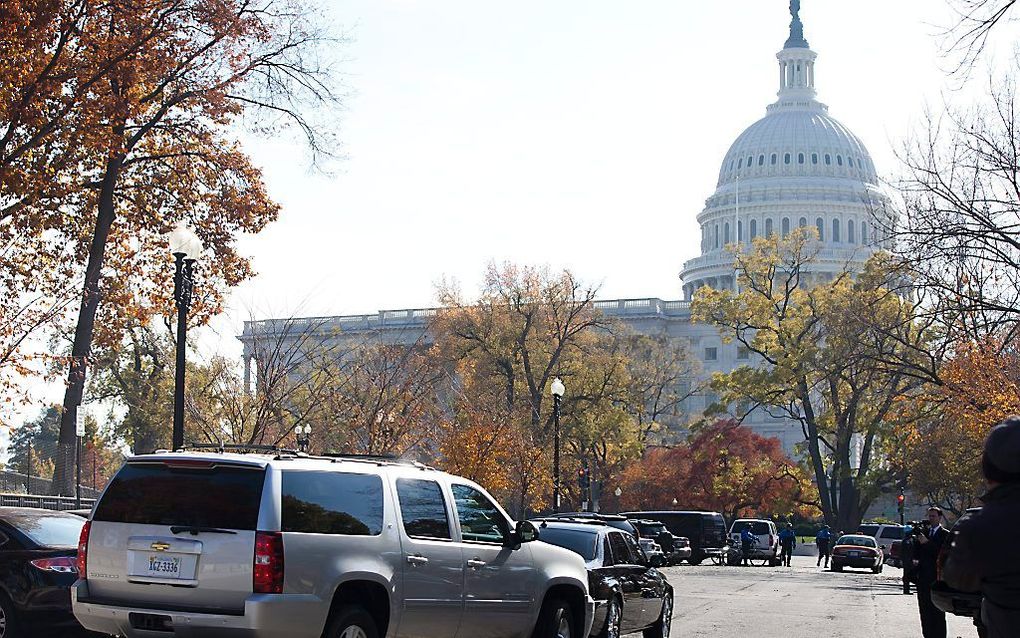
{"x": 868, "y": 530}
{"x": 480, "y": 520}
{"x": 332, "y": 503}
{"x": 199, "y": 494}
{"x": 423, "y": 509}
{"x": 895, "y": 533}
{"x": 757, "y": 527}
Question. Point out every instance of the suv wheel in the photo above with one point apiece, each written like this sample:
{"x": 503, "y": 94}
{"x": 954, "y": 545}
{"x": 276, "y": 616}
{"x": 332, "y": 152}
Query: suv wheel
{"x": 351, "y": 621}
{"x": 556, "y": 621}
{"x": 8, "y": 621}
{"x": 614, "y": 614}
{"x": 661, "y": 627}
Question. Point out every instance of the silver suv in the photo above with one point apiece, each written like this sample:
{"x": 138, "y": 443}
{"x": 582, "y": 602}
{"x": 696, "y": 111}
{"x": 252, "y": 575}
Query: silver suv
{"x": 219, "y": 544}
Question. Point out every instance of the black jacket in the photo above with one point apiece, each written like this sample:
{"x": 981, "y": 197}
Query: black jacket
{"x": 985, "y": 556}
{"x": 927, "y": 555}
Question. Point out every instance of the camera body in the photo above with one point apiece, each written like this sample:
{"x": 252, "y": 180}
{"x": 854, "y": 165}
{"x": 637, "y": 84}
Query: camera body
{"x": 919, "y": 528}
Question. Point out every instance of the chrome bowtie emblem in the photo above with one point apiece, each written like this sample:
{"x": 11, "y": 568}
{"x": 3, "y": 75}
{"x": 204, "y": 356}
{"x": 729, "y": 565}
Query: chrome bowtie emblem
{"x": 160, "y": 547}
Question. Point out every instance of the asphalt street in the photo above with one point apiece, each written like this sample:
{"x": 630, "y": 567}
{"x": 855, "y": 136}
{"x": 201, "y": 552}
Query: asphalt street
{"x": 794, "y": 602}
{"x": 802, "y": 601}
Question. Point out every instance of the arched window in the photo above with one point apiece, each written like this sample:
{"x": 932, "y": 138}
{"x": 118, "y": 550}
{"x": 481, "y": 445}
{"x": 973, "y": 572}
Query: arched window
{"x": 864, "y": 233}
{"x": 800, "y": 158}
{"x": 754, "y": 228}
{"x": 850, "y": 162}
{"x": 786, "y": 226}
{"x": 839, "y": 160}
{"x": 768, "y": 227}
{"x": 803, "y": 222}
{"x": 740, "y": 163}
{"x": 774, "y": 157}
{"x": 716, "y": 236}
{"x": 814, "y": 158}
{"x": 820, "y": 225}
{"x": 726, "y": 233}
{"x": 850, "y": 232}
{"x": 761, "y": 160}
{"x": 740, "y": 230}
{"x": 786, "y": 158}
{"x": 828, "y": 159}
{"x": 750, "y": 160}
{"x": 835, "y": 230}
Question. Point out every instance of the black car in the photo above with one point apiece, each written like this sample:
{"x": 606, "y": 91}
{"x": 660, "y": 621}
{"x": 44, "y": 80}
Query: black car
{"x": 629, "y": 594}
{"x": 705, "y": 530}
{"x": 674, "y": 548}
{"x": 38, "y": 565}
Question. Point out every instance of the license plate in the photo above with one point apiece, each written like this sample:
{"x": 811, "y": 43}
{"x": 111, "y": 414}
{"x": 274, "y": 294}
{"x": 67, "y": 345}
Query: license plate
{"x": 854, "y": 554}
{"x": 163, "y": 566}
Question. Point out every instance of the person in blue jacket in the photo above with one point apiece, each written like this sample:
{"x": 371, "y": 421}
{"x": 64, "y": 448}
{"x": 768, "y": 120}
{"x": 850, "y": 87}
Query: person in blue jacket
{"x": 788, "y": 541}
{"x": 748, "y": 539}
{"x": 823, "y": 539}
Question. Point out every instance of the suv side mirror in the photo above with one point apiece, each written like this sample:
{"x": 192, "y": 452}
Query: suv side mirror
{"x": 526, "y": 532}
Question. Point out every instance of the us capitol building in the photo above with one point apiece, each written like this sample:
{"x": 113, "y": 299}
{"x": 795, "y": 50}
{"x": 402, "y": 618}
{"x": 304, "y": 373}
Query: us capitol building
{"x": 797, "y": 166}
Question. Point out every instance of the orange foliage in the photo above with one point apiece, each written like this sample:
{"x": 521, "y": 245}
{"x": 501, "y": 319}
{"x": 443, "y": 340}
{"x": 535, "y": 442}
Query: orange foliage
{"x": 945, "y": 427}
{"x": 723, "y": 467}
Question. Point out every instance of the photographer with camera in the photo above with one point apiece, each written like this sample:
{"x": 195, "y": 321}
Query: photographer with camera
{"x": 983, "y": 553}
{"x": 927, "y": 539}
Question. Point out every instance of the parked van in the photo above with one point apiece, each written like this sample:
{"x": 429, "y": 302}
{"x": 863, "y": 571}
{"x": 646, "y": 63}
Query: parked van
{"x": 705, "y": 530}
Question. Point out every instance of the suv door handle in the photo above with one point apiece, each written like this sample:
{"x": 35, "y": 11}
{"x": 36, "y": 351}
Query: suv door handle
{"x": 417, "y": 559}
{"x": 475, "y": 563}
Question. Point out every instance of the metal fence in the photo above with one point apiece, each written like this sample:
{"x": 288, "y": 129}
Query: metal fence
{"x": 45, "y": 502}
{"x": 19, "y": 483}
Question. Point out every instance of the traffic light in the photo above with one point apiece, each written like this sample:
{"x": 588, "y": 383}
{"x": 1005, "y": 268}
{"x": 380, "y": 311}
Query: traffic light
{"x": 583, "y": 480}
{"x": 899, "y": 502}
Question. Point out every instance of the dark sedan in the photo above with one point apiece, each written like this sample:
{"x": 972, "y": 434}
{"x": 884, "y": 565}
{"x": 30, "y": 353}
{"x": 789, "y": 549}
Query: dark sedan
{"x": 629, "y": 594}
{"x": 38, "y": 550}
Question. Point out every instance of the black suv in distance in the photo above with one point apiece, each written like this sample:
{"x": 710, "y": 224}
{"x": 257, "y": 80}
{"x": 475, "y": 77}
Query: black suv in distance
{"x": 629, "y": 594}
{"x": 675, "y": 548}
{"x": 705, "y": 530}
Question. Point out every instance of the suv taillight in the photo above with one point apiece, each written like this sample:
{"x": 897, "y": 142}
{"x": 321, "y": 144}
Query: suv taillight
{"x": 770, "y": 540}
{"x": 267, "y": 566}
{"x": 83, "y": 548}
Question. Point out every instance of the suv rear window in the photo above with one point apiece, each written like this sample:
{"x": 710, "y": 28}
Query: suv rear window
{"x": 868, "y": 530}
{"x": 757, "y": 527}
{"x": 578, "y": 541}
{"x": 158, "y": 494}
{"x": 332, "y": 503}
{"x": 895, "y": 533}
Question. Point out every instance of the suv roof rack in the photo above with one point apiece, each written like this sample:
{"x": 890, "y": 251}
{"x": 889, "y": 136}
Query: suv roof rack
{"x": 237, "y": 447}
{"x": 280, "y": 453}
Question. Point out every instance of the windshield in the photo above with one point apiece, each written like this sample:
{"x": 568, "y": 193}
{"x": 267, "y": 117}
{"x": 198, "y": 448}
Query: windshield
{"x": 859, "y": 541}
{"x": 578, "y": 541}
{"x": 50, "y": 531}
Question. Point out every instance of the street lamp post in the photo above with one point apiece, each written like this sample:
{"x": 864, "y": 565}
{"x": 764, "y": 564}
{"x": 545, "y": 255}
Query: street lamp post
{"x": 557, "y": 390}
{"x": 303, "y": 434}
{"x": 186, "y": 247}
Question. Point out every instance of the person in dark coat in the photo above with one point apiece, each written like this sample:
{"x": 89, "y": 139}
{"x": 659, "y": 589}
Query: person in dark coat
{"x": 788, "y": 541}
{"x": 928, "y": 541}
{"x": 822, "y": 540}
{"x": 984, "y": 554}
{"x": 907, "y": 557}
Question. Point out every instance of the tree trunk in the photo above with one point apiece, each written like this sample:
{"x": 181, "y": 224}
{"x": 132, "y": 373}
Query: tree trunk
{"x": 821, "y": 481}
{"x": 63, "y": 473}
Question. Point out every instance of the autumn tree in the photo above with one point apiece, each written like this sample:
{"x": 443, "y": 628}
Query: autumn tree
{"x": 179, "y": 78}
{"x": 722, "y": 467}
{"x": 528, "y": 326}
{"x": 835, "y": 356}
{"x": 662, "y": 377}
{"x": 941, "y": 437}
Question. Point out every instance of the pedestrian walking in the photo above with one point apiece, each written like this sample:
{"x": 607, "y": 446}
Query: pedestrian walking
{"x": 822, "y": 540}
{"x": 984, "y": 554}
{"x": 788, "y": 541}
{"x": 928, "y": 541}
{"x": 748, "y": 539}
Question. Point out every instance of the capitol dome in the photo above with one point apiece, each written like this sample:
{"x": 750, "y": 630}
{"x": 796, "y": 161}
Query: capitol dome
{"x": 797, "y": 143}
{"x": 797, "y": 166}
